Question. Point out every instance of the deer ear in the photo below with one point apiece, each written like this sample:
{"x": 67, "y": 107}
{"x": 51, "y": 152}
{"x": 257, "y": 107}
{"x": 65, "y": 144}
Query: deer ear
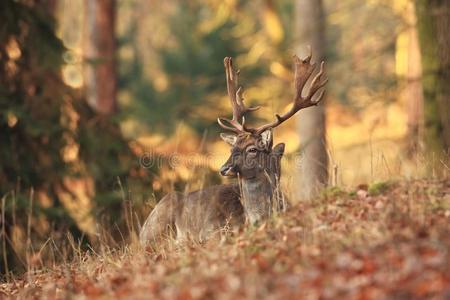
{"x": 278, "y": 150}
{"x": 229, "y": 138}
{"x": 266, "y": 138}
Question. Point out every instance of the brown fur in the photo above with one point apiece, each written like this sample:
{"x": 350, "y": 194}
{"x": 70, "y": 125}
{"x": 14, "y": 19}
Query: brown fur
{"x": 195, "y": 215}
{"x": 198, "y": 215}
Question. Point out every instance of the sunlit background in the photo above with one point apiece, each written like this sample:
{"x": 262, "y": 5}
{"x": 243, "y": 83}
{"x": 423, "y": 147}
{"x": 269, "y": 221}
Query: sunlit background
{"x": 170, "y": 68}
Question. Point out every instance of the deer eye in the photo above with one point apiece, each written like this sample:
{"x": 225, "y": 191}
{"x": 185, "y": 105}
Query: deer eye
{"x": 252, "y": 150}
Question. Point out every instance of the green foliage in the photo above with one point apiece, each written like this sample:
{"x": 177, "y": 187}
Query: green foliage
{"x": 191, "y": 62}
{"x": 378, "y": 188}
{"x": 333, "y": 192}
{"x": 189, "y": 58}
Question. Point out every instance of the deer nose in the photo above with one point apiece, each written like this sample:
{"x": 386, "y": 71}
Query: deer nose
{"x": 227, "y": 170}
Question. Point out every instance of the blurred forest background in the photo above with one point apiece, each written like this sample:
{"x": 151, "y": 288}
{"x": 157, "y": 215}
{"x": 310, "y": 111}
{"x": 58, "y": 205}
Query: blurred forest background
{"x": 89, "y": 88}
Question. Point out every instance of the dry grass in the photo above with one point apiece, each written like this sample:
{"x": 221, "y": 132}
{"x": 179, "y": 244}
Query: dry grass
{"x": 388, "y": 240}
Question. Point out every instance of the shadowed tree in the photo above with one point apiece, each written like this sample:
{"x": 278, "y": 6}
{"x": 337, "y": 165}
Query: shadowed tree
{"x": 313, "y": 168}
{"x": 434, "y": 35}
{"x": 49, "y": 135}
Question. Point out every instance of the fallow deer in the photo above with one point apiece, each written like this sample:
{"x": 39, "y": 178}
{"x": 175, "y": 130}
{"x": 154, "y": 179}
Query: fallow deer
{"x": 253, "y": 160}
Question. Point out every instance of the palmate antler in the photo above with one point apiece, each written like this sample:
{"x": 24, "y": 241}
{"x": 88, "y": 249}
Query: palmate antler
{"x": 303, "y": 71}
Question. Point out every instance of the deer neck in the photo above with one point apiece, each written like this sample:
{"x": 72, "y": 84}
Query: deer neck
{"x": 257, "y": 197}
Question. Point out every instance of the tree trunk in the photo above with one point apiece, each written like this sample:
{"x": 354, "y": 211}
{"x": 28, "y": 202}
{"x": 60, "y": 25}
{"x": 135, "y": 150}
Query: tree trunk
{"x": 434, "y": 35}
{"x": 313, "y": 168}
{"x": 99, "y": 50}
{"x": 413, "y": 90}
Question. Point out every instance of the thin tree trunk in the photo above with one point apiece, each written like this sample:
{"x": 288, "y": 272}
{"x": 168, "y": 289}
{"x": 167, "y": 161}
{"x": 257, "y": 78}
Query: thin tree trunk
{"x": 413, "y": 90}
{"x": 313, "y": 168}
{"x": 434, "y": 35}
{"x": 99, "y": 51}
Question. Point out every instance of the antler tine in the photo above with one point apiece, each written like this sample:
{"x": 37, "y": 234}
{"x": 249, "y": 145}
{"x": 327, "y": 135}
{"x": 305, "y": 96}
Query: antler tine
{"x": 317, "y": 83}
{"x": 236, "y": 99}
{"x": 303, "y": 71}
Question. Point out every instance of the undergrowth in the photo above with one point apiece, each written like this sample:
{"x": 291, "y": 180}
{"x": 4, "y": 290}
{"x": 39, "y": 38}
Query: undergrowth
{"x": 385, "y": 240}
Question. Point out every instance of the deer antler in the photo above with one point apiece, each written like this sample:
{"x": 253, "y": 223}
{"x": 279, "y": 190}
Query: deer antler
{"x": 237, "y": 101}
{"x": 303, "y": 71}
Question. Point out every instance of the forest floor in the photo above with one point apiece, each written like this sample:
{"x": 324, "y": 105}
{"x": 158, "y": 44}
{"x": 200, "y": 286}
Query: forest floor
{"x": 382, "y": 241}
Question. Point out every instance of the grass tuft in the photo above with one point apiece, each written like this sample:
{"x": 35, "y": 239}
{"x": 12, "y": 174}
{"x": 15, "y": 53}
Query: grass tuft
{"x": 378, "y": 188}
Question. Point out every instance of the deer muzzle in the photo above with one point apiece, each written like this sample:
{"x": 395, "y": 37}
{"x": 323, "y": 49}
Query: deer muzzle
{"x": 228, "y": 170}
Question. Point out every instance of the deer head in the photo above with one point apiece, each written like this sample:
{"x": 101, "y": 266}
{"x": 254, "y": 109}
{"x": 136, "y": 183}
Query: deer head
{"x": 252, "y": 154}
